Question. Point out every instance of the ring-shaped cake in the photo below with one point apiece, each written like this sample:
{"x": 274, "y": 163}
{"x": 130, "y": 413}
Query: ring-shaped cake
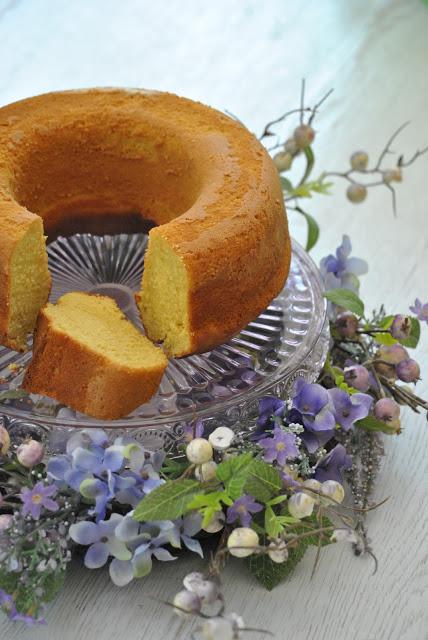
{"x": 114, "y": 160}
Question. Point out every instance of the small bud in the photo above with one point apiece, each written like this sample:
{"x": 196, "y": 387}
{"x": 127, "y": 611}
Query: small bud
{"x": 401, "y": 327}
{"x": 4, "y": 441}
{"x": 359, "y": 160}
{"x": 356, "y": 193}
{"x": 187, "y": 602}
{"x": 334, "y": 490}
{"x": 221, "y": 438}
{"x": 242, "y": 542}
{"x": 392, "y": 175}
{"x": 387, "y": 410}
{"x": 199, "y": 451}
{"x": 358, "y": 377}
{"x": 277, "y": 551}
{"x": 303, "y": 136}
{"x": 291, "y": 147}
{"x": 206, "y": 471}
{"x": 5, "y": 521}
{"x": 393, "y": 354}
{"x": 283, "y": 161}
{"x": 408, "y": 370}
{"x": 216, "y": 523}
{"x": 346, "y": 325}
{"x": 300, "y": 505}
{"x": 218, "y": 629}
{"x": 30, "y": 453}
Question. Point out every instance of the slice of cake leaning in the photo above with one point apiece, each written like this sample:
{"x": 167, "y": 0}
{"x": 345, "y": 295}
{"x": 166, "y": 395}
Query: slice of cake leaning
{"x": 88, "y": 356}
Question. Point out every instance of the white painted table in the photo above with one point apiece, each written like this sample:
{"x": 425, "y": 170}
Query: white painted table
{"x": 248, "y": 57}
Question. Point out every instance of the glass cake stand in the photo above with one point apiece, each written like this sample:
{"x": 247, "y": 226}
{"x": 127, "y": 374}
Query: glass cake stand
{"x": 222, "y": 387}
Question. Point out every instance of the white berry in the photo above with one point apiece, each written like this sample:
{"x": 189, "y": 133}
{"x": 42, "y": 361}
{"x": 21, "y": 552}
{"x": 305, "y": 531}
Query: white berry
{"x": 206, "y": 590}
{"x": 312, "y": 485}
{"x": 242, "y": 542}
{"x": 356, "y": 193}
{"x": 199, "y": 451}
{"x": 359, "y": 160}
{"x": 278, "y": 552}
{"x": 216, "y": 523}
{"x": 303, "y": 136}
{"x": 300, "y": 505}
{"x": 221, "y": 438}
{"x": 332, "y": 489}
{"x": 206, "y": 471}
{"x": 187, "y": 601}
{"x": 392, "y": 175}
{"x": 283, "y": 160}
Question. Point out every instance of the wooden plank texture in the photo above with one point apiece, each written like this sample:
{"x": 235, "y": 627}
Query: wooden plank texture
{"x": 248, "y": 57}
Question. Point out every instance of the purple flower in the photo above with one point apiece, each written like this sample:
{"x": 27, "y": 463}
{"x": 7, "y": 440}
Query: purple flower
{"x": 341, "y": 270}
{"x": 420, "y": 310}
{"x": 39, "y": 496}
{"x": 193, "y": 430}
{"x": 332, "y": 466}
{"x": 312, "y": 408}
{"x": 242, "y": 509}
{"x": 280, "y": 447}
{"x": 270, "y": 408}
{"x": 349, "y": 408}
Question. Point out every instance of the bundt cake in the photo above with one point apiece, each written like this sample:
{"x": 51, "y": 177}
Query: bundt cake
{"x": 87, "y": 355}
{"x": 110, "y": 160}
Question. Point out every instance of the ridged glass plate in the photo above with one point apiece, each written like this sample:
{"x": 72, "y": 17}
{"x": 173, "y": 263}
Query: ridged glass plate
{"x": 222, "y": 386}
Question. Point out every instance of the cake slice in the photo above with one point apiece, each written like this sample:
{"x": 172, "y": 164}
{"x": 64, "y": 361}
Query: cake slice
{"x": 88, "y": 356}
{"x": 24, "y": 276}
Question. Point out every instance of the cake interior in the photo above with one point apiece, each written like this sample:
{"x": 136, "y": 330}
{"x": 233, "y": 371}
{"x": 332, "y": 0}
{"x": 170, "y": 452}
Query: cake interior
{"x": 29, "y": 283}
{"x": 97, "y": 323}
{"x": 164, "y": 296}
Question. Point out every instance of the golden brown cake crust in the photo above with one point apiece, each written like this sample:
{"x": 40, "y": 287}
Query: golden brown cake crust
{"x": 124, "y": 159}
{"x": 64, "y": 369}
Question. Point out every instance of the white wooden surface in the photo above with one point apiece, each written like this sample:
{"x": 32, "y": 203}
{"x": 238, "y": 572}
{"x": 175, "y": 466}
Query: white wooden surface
{"x": 248, "y": 57}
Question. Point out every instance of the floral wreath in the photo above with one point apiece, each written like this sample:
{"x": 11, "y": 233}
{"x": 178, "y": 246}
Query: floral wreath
{"x": 265, "y": 496}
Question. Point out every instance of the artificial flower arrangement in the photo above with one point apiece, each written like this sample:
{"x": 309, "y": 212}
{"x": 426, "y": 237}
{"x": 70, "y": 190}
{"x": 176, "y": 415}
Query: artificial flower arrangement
{"x": 265, "y": 496}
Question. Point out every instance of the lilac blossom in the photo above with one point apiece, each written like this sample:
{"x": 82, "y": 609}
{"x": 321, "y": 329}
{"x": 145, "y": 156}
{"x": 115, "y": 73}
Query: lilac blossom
{"x": 242, "y": 509}
{"x": 38, "y": 497}
{"x": 342, "y": 271}
{"x": 280, "y": 447}
{"x": 333, "y": 465}
{"x": 101, "y": 541}
{"x": 349, "y": 408}
{"x": 123, "y": 471}
{"x": 420, "y": 310}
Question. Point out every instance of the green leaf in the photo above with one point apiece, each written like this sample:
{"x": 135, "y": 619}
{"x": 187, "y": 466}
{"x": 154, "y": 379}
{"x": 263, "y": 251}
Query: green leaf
{"x": 370, "y": 423}
{"x": 263, "y": 481}
{"x": 269, "y": 573}
{"x": 313, "y": 229}
{"x": 313, "y": 522}
{"x": 208, "y": 504}
{"x": 277, "y": 500}
{"x": 233, "y": 473}
{"x": 347, "y": 299}
{"x": 174, "y": 468}
{"x": 12, "y": 394}
{"x": 415, "y": 333}
{"x": 385, "y": 339}
{"x": 286, "y": 184}
{"x": 167, "y": 502}
{"x": 272, "y": 527}
{"x": 385, "y": 323}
